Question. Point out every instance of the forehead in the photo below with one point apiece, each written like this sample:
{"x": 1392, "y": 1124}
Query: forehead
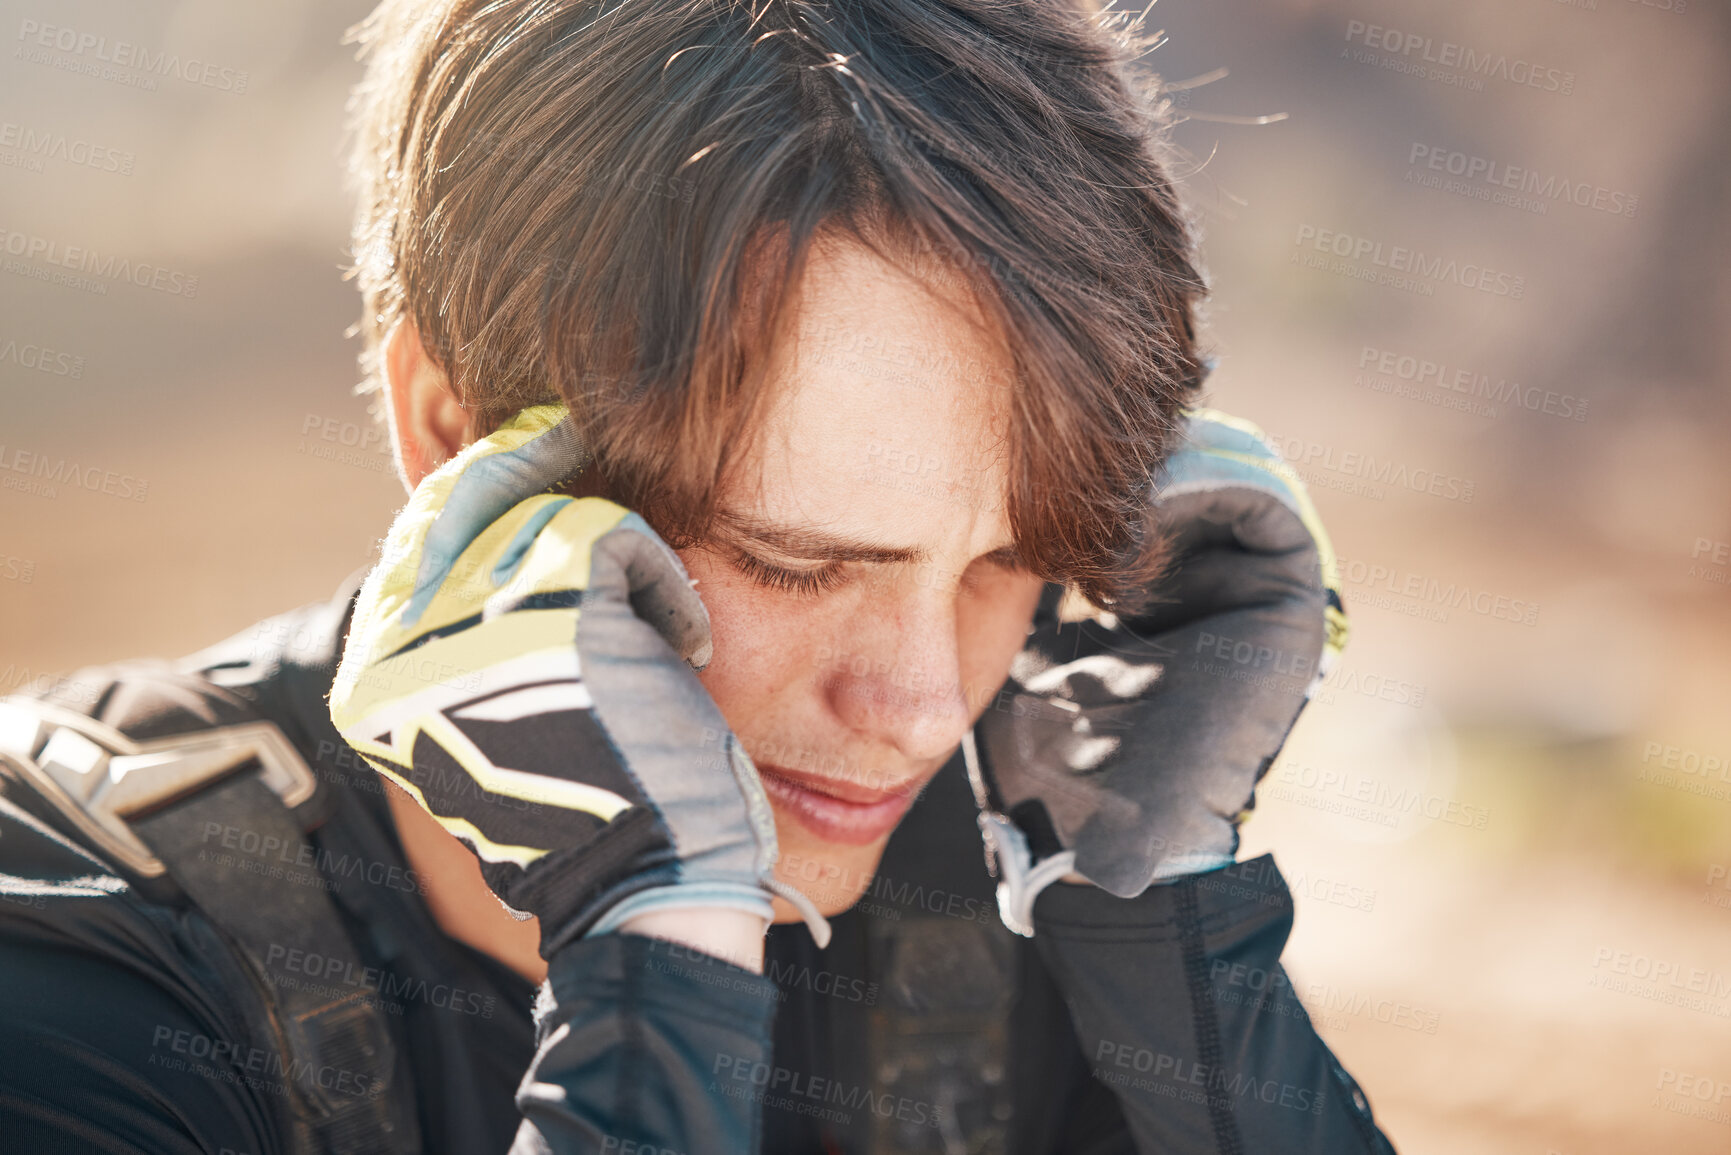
{"x": 887, "y": 410}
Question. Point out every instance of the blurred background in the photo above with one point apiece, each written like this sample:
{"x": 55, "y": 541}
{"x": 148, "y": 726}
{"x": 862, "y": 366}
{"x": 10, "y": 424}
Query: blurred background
{"x": 1468, "y": 272}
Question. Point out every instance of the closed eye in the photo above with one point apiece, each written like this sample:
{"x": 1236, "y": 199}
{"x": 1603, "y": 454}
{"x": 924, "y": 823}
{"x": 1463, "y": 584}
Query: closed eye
{"x": 803, "y": 582}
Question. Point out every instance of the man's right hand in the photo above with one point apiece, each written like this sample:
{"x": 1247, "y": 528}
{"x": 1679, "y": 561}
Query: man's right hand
{"x": 518, "y": 664}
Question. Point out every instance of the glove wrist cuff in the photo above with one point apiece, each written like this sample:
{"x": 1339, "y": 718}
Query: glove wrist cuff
{"x": 726, "y": 895}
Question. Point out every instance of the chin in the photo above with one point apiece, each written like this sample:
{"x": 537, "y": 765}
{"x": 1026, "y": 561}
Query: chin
{"x": 833, "y": 875}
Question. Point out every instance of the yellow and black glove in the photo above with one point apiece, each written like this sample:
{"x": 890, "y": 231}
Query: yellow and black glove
{"x": 521, "y": 663}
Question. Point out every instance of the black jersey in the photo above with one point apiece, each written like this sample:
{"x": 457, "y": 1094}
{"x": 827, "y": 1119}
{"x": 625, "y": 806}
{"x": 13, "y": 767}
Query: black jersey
{"x": 924, "y": 1026}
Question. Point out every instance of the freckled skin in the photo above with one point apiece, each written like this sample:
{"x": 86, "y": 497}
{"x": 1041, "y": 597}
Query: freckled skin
{"x": 875, "y": 681}
{"x": 872, "y": 682}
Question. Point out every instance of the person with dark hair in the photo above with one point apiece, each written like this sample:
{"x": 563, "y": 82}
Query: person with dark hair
{"x": 799, "y": 408}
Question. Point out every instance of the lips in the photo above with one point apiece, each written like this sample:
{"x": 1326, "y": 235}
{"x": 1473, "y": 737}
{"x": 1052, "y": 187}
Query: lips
{"x": 844, "y": 812}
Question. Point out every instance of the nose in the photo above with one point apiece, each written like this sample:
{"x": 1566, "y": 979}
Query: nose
{"x": 900, "y": 680}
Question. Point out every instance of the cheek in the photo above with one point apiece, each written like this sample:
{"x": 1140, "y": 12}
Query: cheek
{"x": 763, "y": 645}
{"x": 992, "y": 622}
{"x": 832, "y": 876}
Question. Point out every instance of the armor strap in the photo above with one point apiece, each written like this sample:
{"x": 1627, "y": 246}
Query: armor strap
{"x": 1009, "y": 857}
{"x": 349, "y": 1088}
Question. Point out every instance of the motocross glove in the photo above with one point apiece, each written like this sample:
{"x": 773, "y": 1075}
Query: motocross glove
{"x": 1128, "y": 750}
{"x": 521, "y": 662}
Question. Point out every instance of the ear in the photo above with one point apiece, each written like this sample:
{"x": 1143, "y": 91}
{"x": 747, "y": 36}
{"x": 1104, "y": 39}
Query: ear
{"x": 428, "y": 424}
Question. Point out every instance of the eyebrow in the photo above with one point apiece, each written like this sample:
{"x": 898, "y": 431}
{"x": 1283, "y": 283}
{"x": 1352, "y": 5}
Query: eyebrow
{"x": 807, "y": 544}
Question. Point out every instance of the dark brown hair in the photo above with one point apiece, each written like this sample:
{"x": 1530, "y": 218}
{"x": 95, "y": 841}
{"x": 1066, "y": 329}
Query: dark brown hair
{"x": 565, "y": 197}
